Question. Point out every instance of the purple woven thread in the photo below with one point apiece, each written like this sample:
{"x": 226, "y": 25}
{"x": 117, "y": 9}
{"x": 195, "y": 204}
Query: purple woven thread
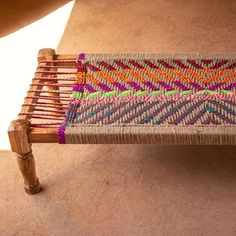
{"x": 119, "y": 86}
{"x": 78, "y": 88}
{"x": 180, "y": 85}
{"x": 81, "y": 56}
{"x": 89, "y": 88}
{"x": 150, "y": 85}
{"x": 216, "y": 86}
{"x": 104, "y": 87}
{"x": 134, "y": 85}
{"x": 61, "y": 134}
{"x": 196, "y": 86}
{"x": 231, "y": 86}
{"x": 165, "y": 85}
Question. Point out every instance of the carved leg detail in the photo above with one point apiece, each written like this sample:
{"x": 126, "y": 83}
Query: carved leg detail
{"x": 18, "y": 135}
{"x": 26, "y": 165}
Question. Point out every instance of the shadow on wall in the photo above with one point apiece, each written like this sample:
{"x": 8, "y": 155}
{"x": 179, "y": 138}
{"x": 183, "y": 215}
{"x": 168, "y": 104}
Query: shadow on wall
{"x": 17, "y": 14}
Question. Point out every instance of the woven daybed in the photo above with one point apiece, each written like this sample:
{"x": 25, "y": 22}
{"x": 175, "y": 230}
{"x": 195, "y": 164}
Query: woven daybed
{"x": 129, "y": 99}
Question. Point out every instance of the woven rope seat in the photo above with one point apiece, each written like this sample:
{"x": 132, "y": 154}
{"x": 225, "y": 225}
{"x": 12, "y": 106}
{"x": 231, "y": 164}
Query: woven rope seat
{"x": 126, "y": 98}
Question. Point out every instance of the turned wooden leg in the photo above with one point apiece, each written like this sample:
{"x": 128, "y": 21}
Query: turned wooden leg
{"x": 18, "y": 135}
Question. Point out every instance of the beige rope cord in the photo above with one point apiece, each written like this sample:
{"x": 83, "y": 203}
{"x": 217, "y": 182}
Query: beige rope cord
{"x": 151, "y": 98}
{"x": 151, "y": 135}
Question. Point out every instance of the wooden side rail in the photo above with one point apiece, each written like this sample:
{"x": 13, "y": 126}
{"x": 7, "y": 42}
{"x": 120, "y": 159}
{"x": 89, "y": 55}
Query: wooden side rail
{"x": 43, "y": 135}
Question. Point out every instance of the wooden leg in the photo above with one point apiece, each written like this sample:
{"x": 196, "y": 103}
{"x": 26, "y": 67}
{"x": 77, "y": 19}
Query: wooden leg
{"x": 26, "y": 164}
{"x": 18, "y": 135}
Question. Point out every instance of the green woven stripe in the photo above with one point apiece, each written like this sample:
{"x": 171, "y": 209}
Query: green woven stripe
{"x": 154, "y": 93}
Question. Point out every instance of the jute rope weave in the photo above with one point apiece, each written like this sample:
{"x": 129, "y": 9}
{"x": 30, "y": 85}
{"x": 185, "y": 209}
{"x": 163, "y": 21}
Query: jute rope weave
{"x": 149, "y": 98}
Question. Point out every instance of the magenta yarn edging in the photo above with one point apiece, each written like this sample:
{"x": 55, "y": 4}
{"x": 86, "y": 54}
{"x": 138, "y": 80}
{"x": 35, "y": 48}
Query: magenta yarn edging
{"x": 61, "y": 134}
{"x": 61, "y": 130}
{"x": 80, "y": 57}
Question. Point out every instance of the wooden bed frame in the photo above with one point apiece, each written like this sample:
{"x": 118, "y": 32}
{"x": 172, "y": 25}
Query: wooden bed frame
{"x": 22, "y": 133}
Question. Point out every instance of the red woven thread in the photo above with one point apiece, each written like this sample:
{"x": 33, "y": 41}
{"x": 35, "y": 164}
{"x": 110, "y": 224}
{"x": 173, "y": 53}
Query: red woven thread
{"x": 47, "y": 110}
{"x": 55, "y": 73}
{"x": 45, "y": 118}
{"x": 40, "y": 114}
{"x": 46, "y": 125}
{"x": 47, "y": 103}
{"x": 54, "y": 78}
{"x": 50, "y": 98}
{"x": 40, "y": 105}
{"x": 56, "y": 67}
{"x": 58, "y": 60}
{"x": 52, "y": 91}
{"x": 56, "y": 85}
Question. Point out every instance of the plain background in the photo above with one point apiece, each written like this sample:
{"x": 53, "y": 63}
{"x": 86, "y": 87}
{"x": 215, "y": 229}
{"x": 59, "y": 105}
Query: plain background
{"x": 19, "y": 48}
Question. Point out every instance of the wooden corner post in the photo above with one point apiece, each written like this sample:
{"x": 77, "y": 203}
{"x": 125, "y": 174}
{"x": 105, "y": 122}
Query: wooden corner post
{"x": 18, "y": 135}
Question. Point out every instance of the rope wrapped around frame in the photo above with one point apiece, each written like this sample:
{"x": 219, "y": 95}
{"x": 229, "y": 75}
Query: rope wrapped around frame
{"x": 143, "y": 98}
{"x": 150, "y": 98}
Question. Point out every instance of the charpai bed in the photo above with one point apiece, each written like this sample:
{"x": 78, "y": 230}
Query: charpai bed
{"x": 125, "y": 98}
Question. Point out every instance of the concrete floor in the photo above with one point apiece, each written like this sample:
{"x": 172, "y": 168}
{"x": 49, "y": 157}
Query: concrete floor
{"x": 131, "y": 189}
{"x": 121, "y": 190}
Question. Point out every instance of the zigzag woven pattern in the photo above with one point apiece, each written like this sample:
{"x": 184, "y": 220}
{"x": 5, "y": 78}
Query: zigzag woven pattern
{"x": 167, "y": 90}
{"x": 182, "y": 112}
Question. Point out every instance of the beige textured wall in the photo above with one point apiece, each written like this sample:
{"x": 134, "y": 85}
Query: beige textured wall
{"x": 163, "y": 26}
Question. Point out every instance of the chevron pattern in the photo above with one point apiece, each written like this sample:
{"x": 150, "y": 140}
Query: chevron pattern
{"x": 171, "y": 112}
{"x": 151, "y": 75}
{"x": 154, "y": 74}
